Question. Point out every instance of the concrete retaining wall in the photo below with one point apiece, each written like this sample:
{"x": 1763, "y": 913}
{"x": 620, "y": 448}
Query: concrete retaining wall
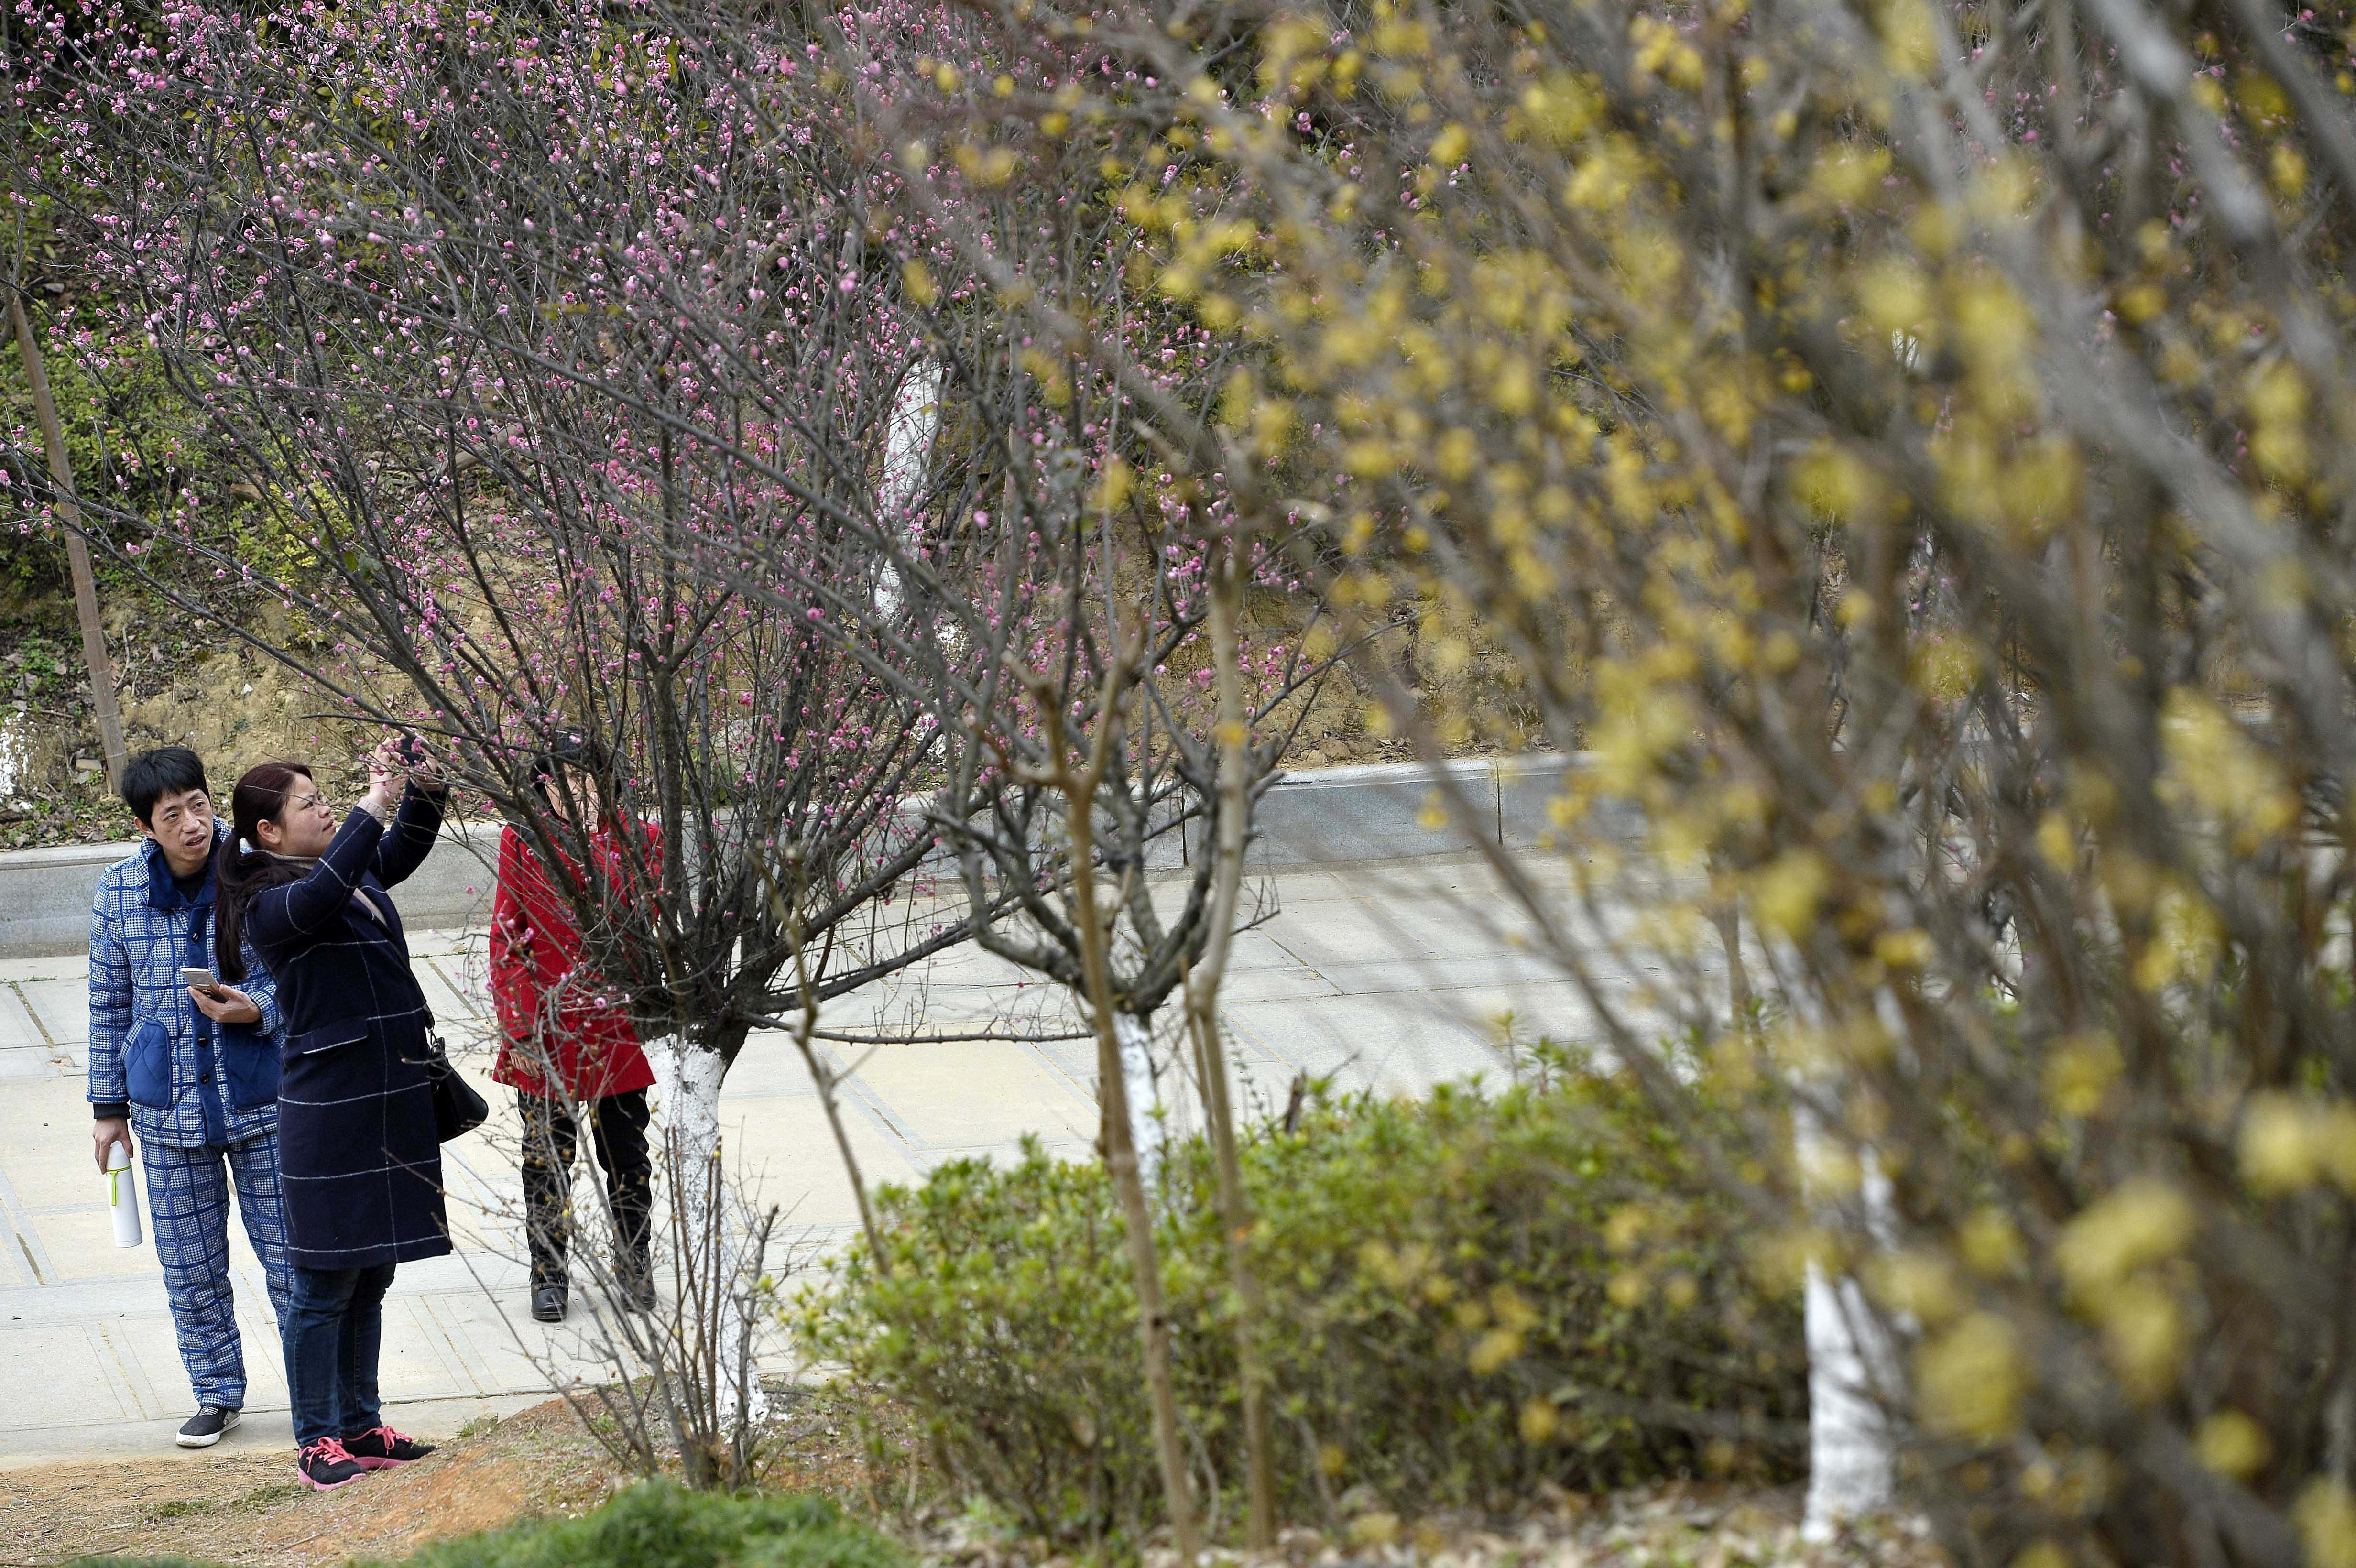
{"x": 1381, "y": 812}
{"x": 45, "y": 894}
{"x": 1321, "y": 817}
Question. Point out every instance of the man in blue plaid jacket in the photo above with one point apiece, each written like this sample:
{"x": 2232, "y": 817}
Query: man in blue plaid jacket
{"x": 194, "y": 1071}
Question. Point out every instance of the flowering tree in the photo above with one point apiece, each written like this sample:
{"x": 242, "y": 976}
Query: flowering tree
{"x": 1072, "y": 608}
{"x": 1895, "y": 441}
{"x": 616, "y": 429}
{"x": 502, "y": 316}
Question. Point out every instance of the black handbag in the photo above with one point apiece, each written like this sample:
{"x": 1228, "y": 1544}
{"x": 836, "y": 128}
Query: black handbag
{"x": 456, "y": 1107}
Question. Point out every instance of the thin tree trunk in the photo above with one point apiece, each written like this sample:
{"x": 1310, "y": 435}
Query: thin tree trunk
{"x": 85, "y": 586}
{"x": 1202, "y": 1014}
{"x": 1120, "y": 1156}
{"x": 1727, "y": 918}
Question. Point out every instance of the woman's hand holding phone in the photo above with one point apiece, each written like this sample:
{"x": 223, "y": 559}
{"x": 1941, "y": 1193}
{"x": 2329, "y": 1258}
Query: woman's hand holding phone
{"x": 424, "y": 768}
{"x": 225, "y": 1005}
{"x": 403, "y": 757}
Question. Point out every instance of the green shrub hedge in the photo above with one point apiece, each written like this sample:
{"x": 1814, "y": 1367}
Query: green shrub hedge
{"x": 1469, "y": 1294}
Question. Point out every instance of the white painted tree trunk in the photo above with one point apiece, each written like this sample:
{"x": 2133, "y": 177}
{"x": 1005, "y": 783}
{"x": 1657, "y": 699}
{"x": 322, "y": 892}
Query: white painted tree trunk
{"x": 1850, "y": 1466}
{"x": 908, "y": 434}
{"x": 1137, "y": 1077}
{"x": 1852, "y": 1459}
{"x": 687, "y": 1098}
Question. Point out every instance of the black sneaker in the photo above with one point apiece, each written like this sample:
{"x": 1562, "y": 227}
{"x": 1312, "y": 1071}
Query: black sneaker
{"x": 547, "y": 1303}
{"x": 380, "y": 1448}
{"x": 324, "y": 1466}
{"x": 205, "y": 1428}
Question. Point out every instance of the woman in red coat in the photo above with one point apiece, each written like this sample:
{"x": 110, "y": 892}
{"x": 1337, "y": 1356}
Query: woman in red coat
{"x": 566, "y": 1044}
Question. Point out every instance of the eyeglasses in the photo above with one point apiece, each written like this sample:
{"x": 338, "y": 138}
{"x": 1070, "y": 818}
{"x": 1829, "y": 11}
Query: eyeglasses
{"x": 313, "y": 801}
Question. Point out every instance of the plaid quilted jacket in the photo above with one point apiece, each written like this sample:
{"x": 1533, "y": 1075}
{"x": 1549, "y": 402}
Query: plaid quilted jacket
{"x": 187, "y": 1081}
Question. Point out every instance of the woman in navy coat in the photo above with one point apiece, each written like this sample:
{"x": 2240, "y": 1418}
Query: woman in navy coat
{"x": 360, "y": 1157}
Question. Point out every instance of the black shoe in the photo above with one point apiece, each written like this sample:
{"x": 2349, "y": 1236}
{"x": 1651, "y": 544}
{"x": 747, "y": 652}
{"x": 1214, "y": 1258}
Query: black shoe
{"x": 205, "y": 1428}
{"x": 380, "y": 1448}
{"x": 633, "y": 1287}
{"x": 324, "y": 1465}
{"x": 547, "y": 1303}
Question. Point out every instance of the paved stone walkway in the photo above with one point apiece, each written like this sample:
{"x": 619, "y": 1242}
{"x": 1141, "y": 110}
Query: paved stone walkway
{"x": 1387, "y": 974}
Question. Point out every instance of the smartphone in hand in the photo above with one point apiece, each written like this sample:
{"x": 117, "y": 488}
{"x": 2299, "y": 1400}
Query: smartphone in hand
{"x": 202, "y": 979}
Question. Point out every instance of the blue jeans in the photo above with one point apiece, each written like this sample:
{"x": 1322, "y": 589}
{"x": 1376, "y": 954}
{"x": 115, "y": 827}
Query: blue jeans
{"x": 335, "y": 1327}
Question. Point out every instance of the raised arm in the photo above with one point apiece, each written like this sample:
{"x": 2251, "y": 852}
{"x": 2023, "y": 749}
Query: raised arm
{"x": 404, "y": 847}
{"x": 297, "y": 909}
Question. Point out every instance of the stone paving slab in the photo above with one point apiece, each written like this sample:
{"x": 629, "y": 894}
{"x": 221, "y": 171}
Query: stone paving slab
{"x": 59, "y": 1006}
{"x": 35, "y": 1061}
{"x": 17, "y": 1029}
{"x": 1391, "y": 976}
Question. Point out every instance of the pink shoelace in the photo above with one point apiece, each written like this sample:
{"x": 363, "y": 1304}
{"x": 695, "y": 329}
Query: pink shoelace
{"x": 392, "y": 1439}
{"x": 331, "y": 1449}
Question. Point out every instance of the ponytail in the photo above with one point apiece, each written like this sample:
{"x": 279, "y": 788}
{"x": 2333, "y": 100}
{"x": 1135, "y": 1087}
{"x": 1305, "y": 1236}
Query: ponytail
{"x": 247, "y": 870}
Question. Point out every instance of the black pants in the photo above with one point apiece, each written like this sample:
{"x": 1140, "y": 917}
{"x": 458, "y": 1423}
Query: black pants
{"x": 618, "y": 1131}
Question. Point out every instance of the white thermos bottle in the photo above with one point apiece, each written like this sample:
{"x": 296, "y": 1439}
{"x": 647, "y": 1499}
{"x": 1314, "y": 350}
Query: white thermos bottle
{"x": 122, "y": 1195}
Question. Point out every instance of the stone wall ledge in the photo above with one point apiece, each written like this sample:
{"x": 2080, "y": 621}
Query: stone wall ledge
{"x": 1314, "y": 816}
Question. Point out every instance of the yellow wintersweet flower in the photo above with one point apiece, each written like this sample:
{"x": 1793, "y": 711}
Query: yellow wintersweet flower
{"x": 1990, "y": 1243}
{"x": 2213, "y": 767}
{"x": 2134, "y": 1225}
{"x": 2143, "y": 1337}
{"x": 1494, "y": 1350}
{"x": 2230, "y": 1443}
{"x": 2325, "y": 1517}
{"x": 1786, "y": 893}
{"x": 1972, "y": 1379}
{"x": 2081, "y": 1072}
{"x": 2288, "y": 1144}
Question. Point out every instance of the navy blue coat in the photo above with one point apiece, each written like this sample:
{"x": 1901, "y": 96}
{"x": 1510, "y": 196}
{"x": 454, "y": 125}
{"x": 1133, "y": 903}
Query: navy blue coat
{"x": 358, "y": 1151}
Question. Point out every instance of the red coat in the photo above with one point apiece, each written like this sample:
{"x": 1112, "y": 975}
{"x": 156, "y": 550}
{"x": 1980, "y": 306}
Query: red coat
{"x": 585, "y": 1034}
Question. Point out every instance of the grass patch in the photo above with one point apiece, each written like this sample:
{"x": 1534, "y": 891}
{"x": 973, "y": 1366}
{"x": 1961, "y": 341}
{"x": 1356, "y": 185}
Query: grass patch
{"x": 268, "y": 1494}
{"x": 261, "y": 1496}
{"x": 657, "y": 1524}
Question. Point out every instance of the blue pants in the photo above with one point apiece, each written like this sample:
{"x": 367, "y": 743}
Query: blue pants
{"x": 188, "y": 1203}
{"x": 334, "y": 1331}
